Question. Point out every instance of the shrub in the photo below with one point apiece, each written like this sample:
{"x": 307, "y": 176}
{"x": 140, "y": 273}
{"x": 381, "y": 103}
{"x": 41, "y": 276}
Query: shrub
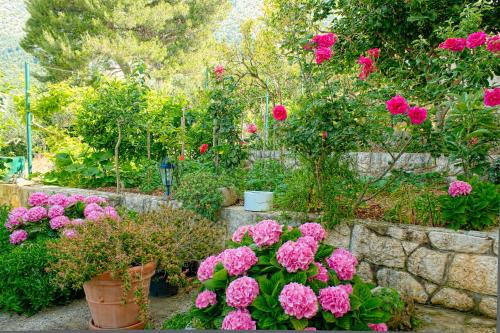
{"x": 265, "y": 175}
{"x": 179, "y": 321}
{"x": 26, "y": 286}
{"x": 199, "y": 192}
{"x": 284, "y": 270}
{"x": 476, "y": 209}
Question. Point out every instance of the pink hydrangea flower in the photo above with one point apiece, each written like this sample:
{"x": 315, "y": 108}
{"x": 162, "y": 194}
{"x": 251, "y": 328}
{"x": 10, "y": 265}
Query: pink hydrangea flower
{"x": 324, "y": 40}
{"x": 295, "y": 255}
{"x": 35, "y": 214}
{"x": 492, "y": 97}
{"x": 298, "y": 301}
{"x": 38, "y": 199}
{"x": 315, "y": 230}
{"x": 493, "y": 44}
{"x": 347, "y": 288}
{"x": 309, "y": 241}
{"x": 238, "y": 261}
{"x": 242, "y": 292}
{"x": 77, "y": 198}
{"x": 94, "y": 199}
{"x": 343, "y": 263}
{"x": 207, "y": 268}
{"x": 58, "y": 222}
{"x": 251, "y": 128}
{"x": 279, "y": 113}
{"x": 453, "y": 44}
{"x": 58, "y": 199}
{"x": 70, "y": 233}
{"x": 18, "y": 236}
{"x": 55, "y": 211}
{"x": 266, "y": 232}
{"x": 458, "y": 188}
{"x": 397, "y": 105}
{"x": 110, "y": 212}
{"x": 335, "y": 300}
{"x": 417, "y": 115}
{"x": 239, "y": 320}
{"x": 374, "y": 53}
{"x": 15, "y": 217}
{"x": 310, "y": 329}
{"x": 205, "y": 299}
{"x": 378, "y": 327}
{"x": 476, "y": 39}
{"x": 322, "y": 273}
{"x": 92, "y": 207}
{"x": 95, "y": 215}
{"x": 323, "y": 54}
{"x": 77, "y": 222}
{"x": 240, "y": 233}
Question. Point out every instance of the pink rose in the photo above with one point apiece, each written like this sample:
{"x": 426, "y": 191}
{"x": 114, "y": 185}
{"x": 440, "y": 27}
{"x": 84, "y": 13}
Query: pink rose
{"x": 417, "y": 115}
{"x": 279, "y": 113}
{"x": 203, "y": 148}
{"x": 374, "y": 53}
{"x": 453, "y": 44}
{"x": 325, "y": 40}
{"x": 492, "y": 97}
{"x": 476, "y": 39}
{"x": 397, "y": 105}
{"x": 323, "y": 54}
{"x": 494, "y": 44}
{"x": 251, "y": 128}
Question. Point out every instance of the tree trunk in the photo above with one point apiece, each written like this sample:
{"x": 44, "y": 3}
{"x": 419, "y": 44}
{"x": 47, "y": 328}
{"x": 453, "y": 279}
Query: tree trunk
{"x": 148, "y": 142}
{"x": 117, "y": 159}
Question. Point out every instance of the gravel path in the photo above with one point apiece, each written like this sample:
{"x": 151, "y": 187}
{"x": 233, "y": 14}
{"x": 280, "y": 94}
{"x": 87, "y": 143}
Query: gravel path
{"x": 75, "y": 315}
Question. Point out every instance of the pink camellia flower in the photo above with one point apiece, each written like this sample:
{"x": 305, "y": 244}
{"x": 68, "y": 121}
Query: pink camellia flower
{"x": 58, "y": 199}
{"x": 343, "y": 263}
{"x": 266, "y": 232}
{"x": 55, "y": 211}
{"x": 367, "y": 67}
{"x": 378, "y": 327}
{"x": 35, "y": 214}
{"x": 397, "y": 105}
{"x": 207, "y": 268}
{"x": 309, "y": 241}
{"x": 110, "y": 212}
{"x": 240, "y": 233}
{"x": 492, "y": 97}
{"x": 298, "y": 301}
{"x": 374, "y": 53}
{"x": 323, "y": 54}
{"x": 476, "y": 39}
{"x": 203, "y": 148}
{"x": 417, "y": 115}
{"x": 70, "y": 233}
{"x": 493, "y": 44}
{"x": 295, "y": 255}
{"x": 238, "y": 261}
{"x": 94, "y": 199}
{"x": 335, "y": 300}
{"x": 239, "y": 320}
{"x": 315, "y": 230}
{"x": 324, "y": 40}
{"x": 219, "y": 71}
{"x": 242, "y": 292}
{"x": 279, "y": 113}
{"x": 251, "y": 128}
{"x": 322, "y": 273}
{"x": 205, "y": 299}
{"x": 459, "y": 188}
{"x": 59, "y": 222}
{"x": 453, "y": 44}
{"x": 38, "y": 199}
{"x": 15, "y": 217}
{"x": 18, "y": 236}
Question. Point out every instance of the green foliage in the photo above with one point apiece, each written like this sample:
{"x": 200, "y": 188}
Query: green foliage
{"x": 295, "y": 194}
{"x": 26, "y": 286}
{"x": 179, "y": 321}
{"x": 265, "y": 175}
{"x": 476, "y": 211}
{"x": 402, "y": 313}
{"x": 199, "y": 192}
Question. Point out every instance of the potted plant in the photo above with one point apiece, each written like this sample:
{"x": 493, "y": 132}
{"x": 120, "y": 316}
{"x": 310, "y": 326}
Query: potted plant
{"x": 114, "y": 261}
{"x": 262, "y": 180}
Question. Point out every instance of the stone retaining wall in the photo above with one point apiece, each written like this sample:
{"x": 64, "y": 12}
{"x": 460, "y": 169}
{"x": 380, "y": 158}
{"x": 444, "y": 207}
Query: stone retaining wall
{"x": 451, "y": 269}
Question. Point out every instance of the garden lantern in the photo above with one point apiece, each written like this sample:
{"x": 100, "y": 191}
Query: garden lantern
{"x": 167, "y": 174}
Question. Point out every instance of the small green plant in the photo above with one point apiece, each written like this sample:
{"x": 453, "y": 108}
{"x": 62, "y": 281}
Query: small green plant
{"x": 179, "y": 321}
{"x": 477, "y": 210}
{"x": 265, "y": 175}
{"x": 199, "y": 192}
{"x": 402, "y": 312}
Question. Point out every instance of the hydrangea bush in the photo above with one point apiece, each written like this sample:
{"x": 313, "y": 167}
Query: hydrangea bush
{"x": 274, "y": 276}
{"x": 53, "y": 215}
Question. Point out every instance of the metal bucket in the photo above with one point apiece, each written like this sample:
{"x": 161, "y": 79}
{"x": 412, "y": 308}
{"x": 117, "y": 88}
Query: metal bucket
{"x": 258, "y": 201}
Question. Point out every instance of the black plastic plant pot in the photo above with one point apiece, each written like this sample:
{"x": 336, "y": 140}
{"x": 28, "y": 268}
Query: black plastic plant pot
{"x": 159, "y": 286}
{"x": 191, "y": 268}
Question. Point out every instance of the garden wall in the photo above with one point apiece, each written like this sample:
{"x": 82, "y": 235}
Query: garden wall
{"x": 455, "y": 270}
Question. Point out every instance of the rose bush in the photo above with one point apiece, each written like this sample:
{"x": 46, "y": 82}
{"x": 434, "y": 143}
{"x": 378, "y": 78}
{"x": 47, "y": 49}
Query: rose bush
{"x": 55, "y": 215}
{"x": 278, "y": 277}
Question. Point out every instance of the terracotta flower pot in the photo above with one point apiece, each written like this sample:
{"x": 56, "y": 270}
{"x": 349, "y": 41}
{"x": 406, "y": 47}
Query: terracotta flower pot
{"x": 105, "y": 298}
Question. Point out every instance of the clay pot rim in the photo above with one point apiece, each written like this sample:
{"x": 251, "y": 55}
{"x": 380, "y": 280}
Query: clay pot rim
{"x": 138, "y": 326}
{"x": 147, "y": 270}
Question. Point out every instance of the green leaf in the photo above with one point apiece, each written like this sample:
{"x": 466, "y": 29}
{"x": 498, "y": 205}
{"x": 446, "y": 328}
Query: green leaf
{"x": 299, "y": 324}
{"x": 328, "y": 317}
{"x": 261, "y": 304}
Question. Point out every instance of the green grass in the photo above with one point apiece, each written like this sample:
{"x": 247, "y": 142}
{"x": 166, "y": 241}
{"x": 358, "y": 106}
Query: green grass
{"x": 178, "y": 322}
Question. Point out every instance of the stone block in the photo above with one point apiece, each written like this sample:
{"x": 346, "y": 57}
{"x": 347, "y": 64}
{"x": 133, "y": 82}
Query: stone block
{"x": 403, "y": 282}
{"x": 453, "y": 299}
{"x": 459, "y": 242}
{"x": 476, "y": 273}
{"x": 428, "y": 264}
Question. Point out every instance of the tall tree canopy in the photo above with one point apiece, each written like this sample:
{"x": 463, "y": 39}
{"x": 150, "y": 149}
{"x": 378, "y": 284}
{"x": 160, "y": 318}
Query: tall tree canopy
{"x": 81, "y": 35}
